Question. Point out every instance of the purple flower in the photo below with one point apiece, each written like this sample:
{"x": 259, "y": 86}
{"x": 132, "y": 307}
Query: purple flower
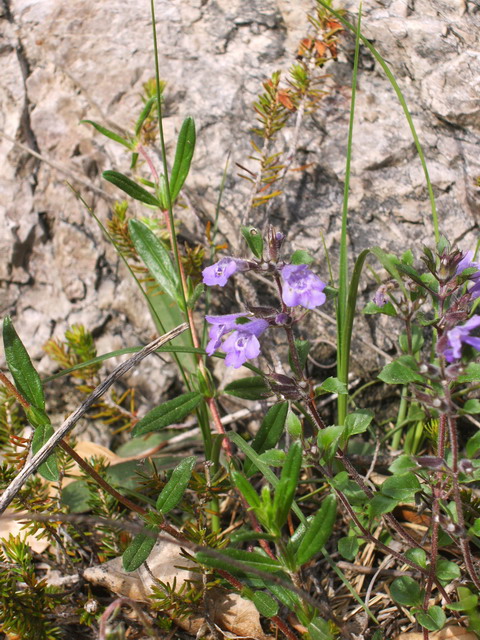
{"x": 380, "y": 298}
{"x": 242, "y": 344}
{"x": 461, "y": 335}
{"x": 220, "y": 326}
{"x": 301, "y": 287}
{"x": 467, "y": 263}
{"x": 220, "y": 272}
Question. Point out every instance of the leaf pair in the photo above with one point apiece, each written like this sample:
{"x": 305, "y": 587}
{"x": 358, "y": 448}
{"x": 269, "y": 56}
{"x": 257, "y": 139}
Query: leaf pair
{"x": 180, "y": 169}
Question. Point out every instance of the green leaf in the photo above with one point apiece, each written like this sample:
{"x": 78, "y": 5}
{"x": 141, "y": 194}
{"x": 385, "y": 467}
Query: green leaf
{"x": 300, "y": 256}
{"x": 473, "y": 445}
{"x": 472, "y": 374}
{"x": 417, "y": 555}
{"x": 155, "y": 257}
{"x": 139, "y": 549}
{"x": 254, "y": 239}
{"x": 269, "y": 433}
{"x": 446, "y": 570}
{"x": 286, "y": 597}
{"x": 332, "y": 385}
{"x": 319, "y": 629}
{"x": 352, "y": 491}
{"x": 249, "y": 558}
{"x": 171, "y": 412}
{"x": 296, "y": 538}
{"x": 303, "y": 347}
{"x": 472, "y": 406}
{"x": 433, "y": 619}
{"x": 251, "y": 388}
{"x": 401, "y": 487}
{"x": 273, "y": 457}
{"x": 285, "y": 490}
{"x": 381, "y": 504}
{"x": 37, "y": 417}
{"x": 76, "y": 497}
{"x": 183, "y": 157}
{"x": 131, "y": 188}
{"x": 358, "y": 421}
{"x": 293, "y": 424}
{"x": 406, "y": 591}
{"x": 372, "y": 309}
{"x": 318, "y": 531}
{"x": 246, "y": 489}
{"x": 348, "y": 547}
{"x": 407, "y": 257}
{"x": 328, "y": 440}
{"x": 144, "y": 114}
{"x": 466, "y": 600}
{"x": 42, "y": 434}
{"x": 265, "y": 604}
{"x": 399, "y": 372}
{"x": 23, "y": 372}
{"x": 173, "y": 491}
{"x": 109, "y": 134}
{"x": 402, "y": 464}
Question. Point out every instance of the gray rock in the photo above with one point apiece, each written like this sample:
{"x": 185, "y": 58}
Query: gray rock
{"x": 63, "y": 61}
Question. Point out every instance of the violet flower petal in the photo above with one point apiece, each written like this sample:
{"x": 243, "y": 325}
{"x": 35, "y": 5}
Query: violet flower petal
{"x": 220, "y": 272}
{"x": 301, "y": 287}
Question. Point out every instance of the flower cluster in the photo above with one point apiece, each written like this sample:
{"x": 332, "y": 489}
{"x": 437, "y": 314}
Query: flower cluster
{"x": 300, "y": 287}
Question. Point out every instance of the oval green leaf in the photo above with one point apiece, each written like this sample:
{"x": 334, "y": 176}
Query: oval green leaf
{"x": 265, "y": 604}
{"x": 249, "y": 559}
{"x": 251, "y": 388}
{"x": 138, "y": 550}
{"x": 168, "y": 413}
{"x": 42, "y": 434}
{"x": 254, "y": 239}
{"x": 183, "y": 157}
{"x": 406, "y": 591}
{"x": 269, "y": 433}
{"x": 399, "y": 373}
{"x": 285, "y": 490}
{"x": 433, "y": 619}
{"x": 318, "y": 531}
{"x": 401, "y": 487}
{"x": 156, "y": 257}
{"x": 173, "y": 491}
{"x": 23, "y": 372}
{"x": 246, "y": 489}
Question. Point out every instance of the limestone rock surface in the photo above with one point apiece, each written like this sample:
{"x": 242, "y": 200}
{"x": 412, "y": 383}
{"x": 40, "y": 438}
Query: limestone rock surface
{"x": 66, "y": 60}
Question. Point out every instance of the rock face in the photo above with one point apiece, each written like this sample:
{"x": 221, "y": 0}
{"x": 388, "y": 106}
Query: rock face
{"x": 63, "y": 61}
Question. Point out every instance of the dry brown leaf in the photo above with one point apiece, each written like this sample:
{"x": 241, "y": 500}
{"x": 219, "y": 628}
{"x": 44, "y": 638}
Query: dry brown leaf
{"x": 11, "y": 525}
{"x": 228, "y": 611}
{"x": 448, "y": 633}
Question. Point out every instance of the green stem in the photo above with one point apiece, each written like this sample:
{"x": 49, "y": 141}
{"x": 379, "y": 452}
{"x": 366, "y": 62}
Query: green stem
{"x": 343, "y": 332}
